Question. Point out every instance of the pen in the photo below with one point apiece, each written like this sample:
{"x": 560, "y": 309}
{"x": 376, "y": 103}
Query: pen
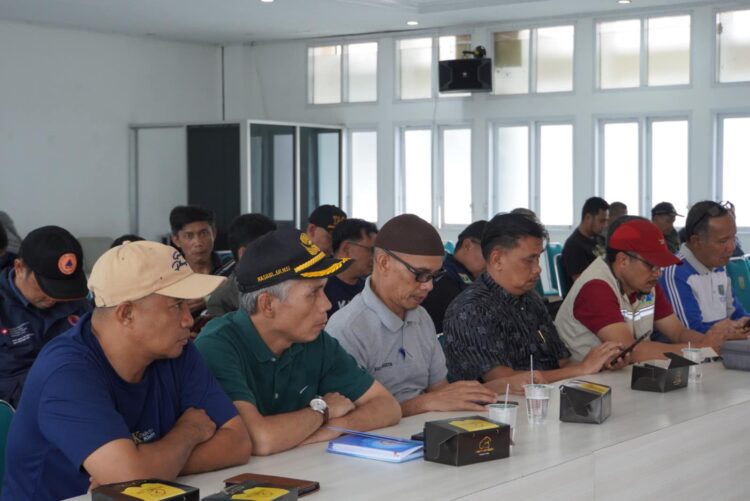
{"x": 539, "y": 331}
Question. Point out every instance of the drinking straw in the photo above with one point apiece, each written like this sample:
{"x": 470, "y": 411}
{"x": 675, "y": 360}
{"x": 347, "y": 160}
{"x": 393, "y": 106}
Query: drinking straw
{"x": 532, "y": 369}
{"x": 507, "y": 389}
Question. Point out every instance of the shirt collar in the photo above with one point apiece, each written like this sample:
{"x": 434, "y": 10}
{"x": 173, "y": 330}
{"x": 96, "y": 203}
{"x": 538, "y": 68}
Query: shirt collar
{"x": 12, "y": 285}
{"x": 390, "y": 320}
{"x": 497, "y": 290}
{"x": 688, "y": 255}
{"x": 452, "y": 263}
{"x": 257, "y": 346}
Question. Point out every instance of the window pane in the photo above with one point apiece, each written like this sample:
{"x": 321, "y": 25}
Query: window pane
{"x": 325, "y": 74}
{"x": 556, "y": 174}
{"x": 512, "y": 62}
{"x": 415, "y": 68}
{"x": 735, "y": 161}
{"x": 418, "y": 172}
{"x": 364, "y": 172}
{"x": 452, "y": 47}
{"x": 363, "y": 71}
{"x": 511, "y": 168}
{"x": 669, "y": 164}
{"x": 621, "y": 164}
{"x": 457, "y": 176}
{"x": 554, "y": 59}
{"x": 734, "y": 46}
{"x": 669, "y": 50}
{"x": 619, "y": 54}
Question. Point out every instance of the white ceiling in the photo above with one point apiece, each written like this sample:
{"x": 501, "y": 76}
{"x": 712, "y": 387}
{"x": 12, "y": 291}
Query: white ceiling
{"x": 235, "y": 21}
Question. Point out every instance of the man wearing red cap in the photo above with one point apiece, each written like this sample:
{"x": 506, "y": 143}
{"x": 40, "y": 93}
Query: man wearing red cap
{"x": 618, "y": 298}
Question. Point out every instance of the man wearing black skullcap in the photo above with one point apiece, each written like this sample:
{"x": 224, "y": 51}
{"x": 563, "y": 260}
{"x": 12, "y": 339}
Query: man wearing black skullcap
{"x": 461, "y": 268}
{"x": 41, "y": 295}
{"x": 287, "y": 377}
{"x": 391, "y": 335}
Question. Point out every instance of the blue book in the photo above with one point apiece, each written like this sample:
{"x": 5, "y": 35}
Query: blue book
{"x": 380, "y": 447}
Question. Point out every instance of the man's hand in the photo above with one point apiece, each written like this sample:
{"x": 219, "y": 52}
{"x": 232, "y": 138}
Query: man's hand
{"x": 600, "y": 355}
{"x": 338, "y": 405}
{"x": 713, "y": 338}
{"x": 198, "y": 424}
{"x": 517, "y": 381}
{"x": 461, "y": 396}
{"x": 621, "y": 362}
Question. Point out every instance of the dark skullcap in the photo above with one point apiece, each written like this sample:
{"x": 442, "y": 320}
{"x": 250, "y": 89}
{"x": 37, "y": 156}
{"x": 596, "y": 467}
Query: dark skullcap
{"x": 410, "y": 234}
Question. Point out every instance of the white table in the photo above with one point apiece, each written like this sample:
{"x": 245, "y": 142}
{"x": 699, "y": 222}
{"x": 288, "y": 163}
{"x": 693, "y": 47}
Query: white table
{"x": 691, "y": 443}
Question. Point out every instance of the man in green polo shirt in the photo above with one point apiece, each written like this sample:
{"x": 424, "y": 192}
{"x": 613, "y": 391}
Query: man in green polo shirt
{"x": 287, "y": 377}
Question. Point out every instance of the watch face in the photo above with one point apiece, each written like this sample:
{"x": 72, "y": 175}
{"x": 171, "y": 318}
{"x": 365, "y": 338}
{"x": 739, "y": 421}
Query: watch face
{"x": 318, "y": 404}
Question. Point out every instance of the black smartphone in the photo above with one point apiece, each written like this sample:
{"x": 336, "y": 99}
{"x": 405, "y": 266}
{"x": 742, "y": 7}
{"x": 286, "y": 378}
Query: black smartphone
{"x": 628, "y": 349}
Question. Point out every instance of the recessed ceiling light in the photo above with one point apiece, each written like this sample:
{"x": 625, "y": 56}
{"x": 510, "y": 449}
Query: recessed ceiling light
{"x": 266, "y": 1}
{"x": 622, "y": 2}
{"x": 412, "y": 23}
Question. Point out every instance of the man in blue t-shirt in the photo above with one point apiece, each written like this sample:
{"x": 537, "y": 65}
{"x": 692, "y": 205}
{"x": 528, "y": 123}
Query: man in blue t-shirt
{"x": 124, "y": 395}
{"x": 352, "y": 239}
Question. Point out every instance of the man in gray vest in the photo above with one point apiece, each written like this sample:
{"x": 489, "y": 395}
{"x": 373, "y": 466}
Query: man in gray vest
{"x": 387, "y": 331}
{"x": 618, "y": 298}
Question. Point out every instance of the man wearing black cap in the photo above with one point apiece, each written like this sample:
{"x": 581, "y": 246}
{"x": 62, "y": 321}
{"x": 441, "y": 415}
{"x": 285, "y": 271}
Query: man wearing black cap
{"x": 461, "y": 268}
{"x": 663, "y": 216}
{"x": 41, "y": 296}
{"x": 287, "y": 377}
{"x": 391, "y": 335}
{"x": 320, "y": 226}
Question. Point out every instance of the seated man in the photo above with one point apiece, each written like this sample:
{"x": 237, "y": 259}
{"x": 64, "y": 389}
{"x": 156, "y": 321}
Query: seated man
{"x": 391, "y": 335}
{"x": 663, "y": 216}
{"x": 194, "y": 233}
{"x": 243, "y": 230}
{"x": 461, "y": 268}
{"x": 618, "y": 298}
{"x": 587, "y": 241}
{"x": 352, "y": 239}
{"x": 124, "y": 395}
{"x": 41, "y": 295}
{"x": 321, "y": 223}
{"x": 700, "y": 290}
{"x": 494, "y": 327}
{"x": 273, "y": 358}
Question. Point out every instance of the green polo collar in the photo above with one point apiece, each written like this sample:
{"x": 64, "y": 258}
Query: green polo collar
{"x": 255, "y": 343}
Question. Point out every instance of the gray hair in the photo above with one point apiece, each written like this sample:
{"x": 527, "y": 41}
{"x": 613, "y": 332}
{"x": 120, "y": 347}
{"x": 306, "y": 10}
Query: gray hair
{"x": 249, "y": 300}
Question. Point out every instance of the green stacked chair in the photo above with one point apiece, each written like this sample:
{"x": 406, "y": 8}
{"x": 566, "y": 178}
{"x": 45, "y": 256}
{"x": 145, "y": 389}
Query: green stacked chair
{"x": 738, "y": 270}
{"x": 6, "y": 416}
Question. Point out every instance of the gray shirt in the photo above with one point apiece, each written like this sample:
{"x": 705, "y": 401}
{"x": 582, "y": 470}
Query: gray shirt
{"x": 404, "y": 355}
{"x": 224, "y": 299}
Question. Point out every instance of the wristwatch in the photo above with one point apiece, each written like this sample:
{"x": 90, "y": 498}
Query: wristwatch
{"x": 319, "y": 405}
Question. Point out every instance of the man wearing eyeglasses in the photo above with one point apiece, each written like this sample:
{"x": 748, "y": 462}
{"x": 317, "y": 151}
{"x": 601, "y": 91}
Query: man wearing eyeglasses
{"x": 124, "y": 395}
{"x": 700, "y": 290}
{"x": 353, "y": 239}
{"x": 618, "y": 298}
{"x": 391, "y": 335}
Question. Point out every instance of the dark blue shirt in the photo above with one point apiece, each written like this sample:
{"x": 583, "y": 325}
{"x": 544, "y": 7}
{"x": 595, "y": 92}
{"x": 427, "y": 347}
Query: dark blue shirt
{"x": 339, "y": 293}
{"x": 75, "y": 402}
{"x": 24, "y": 329}
{"x": 456, "y": 279}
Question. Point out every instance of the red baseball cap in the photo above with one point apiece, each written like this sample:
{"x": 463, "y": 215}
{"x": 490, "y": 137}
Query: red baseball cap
{"x": 645, "y": 239}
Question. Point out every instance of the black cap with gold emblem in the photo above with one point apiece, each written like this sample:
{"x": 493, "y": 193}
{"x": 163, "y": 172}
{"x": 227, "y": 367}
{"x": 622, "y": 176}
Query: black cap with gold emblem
{"x": 282, "y": 255}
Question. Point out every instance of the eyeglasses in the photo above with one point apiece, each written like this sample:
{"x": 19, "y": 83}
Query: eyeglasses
{"x": 368, "y": 248}
{"x": 654, "y": 268}
{"x": 715, "y": 210}
{"x": 421, "y": 276}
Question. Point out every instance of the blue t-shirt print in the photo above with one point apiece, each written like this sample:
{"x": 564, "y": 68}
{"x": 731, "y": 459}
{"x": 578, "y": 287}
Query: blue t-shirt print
{"x": 74, "y": 402}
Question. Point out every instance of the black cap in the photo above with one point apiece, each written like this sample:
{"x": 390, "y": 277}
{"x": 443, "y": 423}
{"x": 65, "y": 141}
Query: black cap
{"x": 282, "y": 255}
{"x": 56, "y": 258}
{"x": 664, "y": 208}
{"x": 474, "y": 230}
{"x": 326, "y": 216}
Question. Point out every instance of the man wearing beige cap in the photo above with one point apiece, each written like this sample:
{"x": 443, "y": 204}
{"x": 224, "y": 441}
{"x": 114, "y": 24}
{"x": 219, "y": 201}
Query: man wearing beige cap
{"x": 124, "y": 395}
{"x": 391, "y": 335}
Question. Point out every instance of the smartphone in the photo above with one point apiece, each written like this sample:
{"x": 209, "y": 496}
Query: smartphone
{"x": 629, "y": 349}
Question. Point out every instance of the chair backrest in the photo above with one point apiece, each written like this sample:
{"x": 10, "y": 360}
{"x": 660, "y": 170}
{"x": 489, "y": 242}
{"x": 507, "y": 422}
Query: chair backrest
{"x": 6, "y": 416}
{"x": 449, "y": 247}
{"x": 738, "y": 270}
{"x": 553, "y": 249}
{"x": 560, "y": 275}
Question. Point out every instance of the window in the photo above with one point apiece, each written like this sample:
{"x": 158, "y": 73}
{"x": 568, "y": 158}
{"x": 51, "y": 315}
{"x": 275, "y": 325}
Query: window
{"x": 733, "y": 43}
{"x": 541, "y": 177}
{"x": 416, "y": 60}
{"x": 666, "y": 58}
{"x": 548, "y": 50}
{"x": 363, "y": 183}
{"x": 456, "y": 169}
{"x": 734, "y": 151}
{"x": 417, "y": 172}
{"x": 639, "y": 176}
{"x": 329, "y": 83}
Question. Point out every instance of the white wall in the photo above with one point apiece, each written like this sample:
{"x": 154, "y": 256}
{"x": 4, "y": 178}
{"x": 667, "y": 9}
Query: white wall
{"x": 66, "y": 99}
{"x": 272, "y": 85}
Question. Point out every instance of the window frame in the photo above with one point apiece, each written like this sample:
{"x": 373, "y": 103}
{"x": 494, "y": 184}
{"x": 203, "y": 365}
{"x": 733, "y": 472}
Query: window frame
{"x": 718, "y": 168}
{"x": 344, "y": 68}
{"x": 716, "y": 83}
{"x": 347, "y": 175}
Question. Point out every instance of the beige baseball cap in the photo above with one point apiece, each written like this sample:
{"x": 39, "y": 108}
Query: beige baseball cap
{"x": 134, "y": 270}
